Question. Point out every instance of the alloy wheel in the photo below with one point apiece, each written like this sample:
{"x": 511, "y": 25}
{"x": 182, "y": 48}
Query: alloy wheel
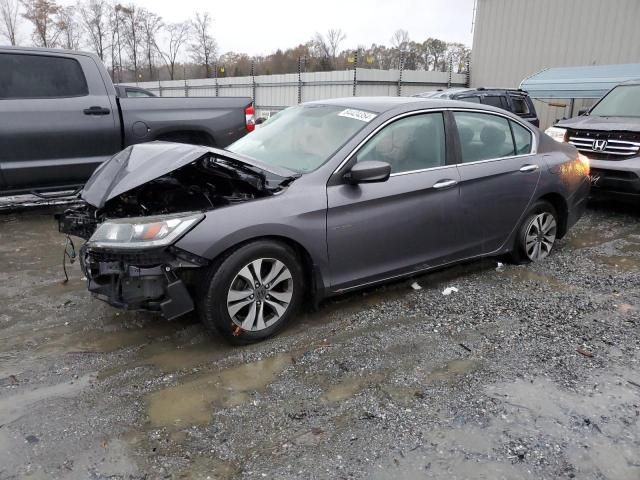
{"x": 540, "y": 236}
{"x": 260, "y": 294}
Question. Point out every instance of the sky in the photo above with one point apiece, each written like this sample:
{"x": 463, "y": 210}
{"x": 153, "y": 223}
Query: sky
{"x": 261, "y": 27}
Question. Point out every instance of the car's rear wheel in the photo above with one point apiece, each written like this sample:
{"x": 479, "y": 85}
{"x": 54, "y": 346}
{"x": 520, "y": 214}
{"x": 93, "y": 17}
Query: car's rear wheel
{"x": 253, "y": 292}
{"x": 537, "y": 234}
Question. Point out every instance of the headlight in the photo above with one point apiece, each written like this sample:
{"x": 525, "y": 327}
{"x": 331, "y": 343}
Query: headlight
{"x": 557, "y": 133}
{"x": 144, "y": 232}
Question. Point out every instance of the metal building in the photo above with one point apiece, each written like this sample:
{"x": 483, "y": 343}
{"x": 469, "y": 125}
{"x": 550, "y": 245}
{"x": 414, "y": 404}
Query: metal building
{"x": 514, "y": 39}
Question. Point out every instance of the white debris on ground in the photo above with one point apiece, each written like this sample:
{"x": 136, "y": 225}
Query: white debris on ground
{"x": 416, "y": 286}
{"x": 449, "y": 290}
{"x": 500, "y": 267}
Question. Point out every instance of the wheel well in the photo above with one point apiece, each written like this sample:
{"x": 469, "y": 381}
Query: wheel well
{"x": 193, "y": 137}
{"x": 562, "y": 210}
{"x": 310, "y": 273}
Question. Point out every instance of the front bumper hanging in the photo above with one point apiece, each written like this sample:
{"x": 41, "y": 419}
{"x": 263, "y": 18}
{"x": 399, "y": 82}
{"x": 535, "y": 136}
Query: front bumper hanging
{"x": 142, "y": 280}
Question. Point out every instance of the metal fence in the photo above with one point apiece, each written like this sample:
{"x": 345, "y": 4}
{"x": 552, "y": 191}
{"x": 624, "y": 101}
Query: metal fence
{"x": 275, "y": 92}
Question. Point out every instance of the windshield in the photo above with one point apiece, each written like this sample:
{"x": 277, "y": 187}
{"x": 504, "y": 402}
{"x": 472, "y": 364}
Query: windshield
{"x": 622, "y": 101}
{"x": 304, "y": 137}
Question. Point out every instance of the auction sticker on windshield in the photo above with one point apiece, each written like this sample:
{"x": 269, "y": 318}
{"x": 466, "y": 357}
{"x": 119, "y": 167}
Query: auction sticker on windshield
{"x": 357, "y": 115}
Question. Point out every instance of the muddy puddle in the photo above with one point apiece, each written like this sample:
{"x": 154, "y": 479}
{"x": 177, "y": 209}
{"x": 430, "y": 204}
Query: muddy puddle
{"x": 591, "y": 236}
{"x": 348, "y": 387}
{"x": 619, "y": 262}
{"x": 452, "y": 370}
{"x": 525, "y": 274}
{"x": 195, "y": 401}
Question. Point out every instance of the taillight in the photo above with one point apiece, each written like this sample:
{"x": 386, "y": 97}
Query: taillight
{"x": 250, "y": 118}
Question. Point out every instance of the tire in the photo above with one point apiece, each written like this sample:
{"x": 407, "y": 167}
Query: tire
{"x": 537, "y": 234}
{"x": 245, "y": 312}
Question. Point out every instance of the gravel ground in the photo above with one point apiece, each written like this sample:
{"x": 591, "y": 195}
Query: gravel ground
{"x": 527, "y": 372}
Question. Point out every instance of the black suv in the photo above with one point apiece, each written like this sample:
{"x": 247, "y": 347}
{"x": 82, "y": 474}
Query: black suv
{"x": 516, "y": 101}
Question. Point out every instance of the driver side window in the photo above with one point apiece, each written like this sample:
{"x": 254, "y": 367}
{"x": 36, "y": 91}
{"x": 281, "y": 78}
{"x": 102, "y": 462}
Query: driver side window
{"x": 412, "y": 143}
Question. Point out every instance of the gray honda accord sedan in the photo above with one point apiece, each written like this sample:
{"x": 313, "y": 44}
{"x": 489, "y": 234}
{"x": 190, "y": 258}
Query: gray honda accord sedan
{"x": 327, "y": 197}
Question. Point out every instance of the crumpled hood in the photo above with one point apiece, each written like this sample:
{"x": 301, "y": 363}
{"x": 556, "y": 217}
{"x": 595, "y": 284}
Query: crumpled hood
{"x": 144, "y": 162}
{"x": 607, "y": 124}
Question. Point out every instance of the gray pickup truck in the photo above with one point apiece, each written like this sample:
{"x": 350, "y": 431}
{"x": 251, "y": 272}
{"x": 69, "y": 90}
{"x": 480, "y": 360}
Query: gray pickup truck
{"x": 60, "y": 117}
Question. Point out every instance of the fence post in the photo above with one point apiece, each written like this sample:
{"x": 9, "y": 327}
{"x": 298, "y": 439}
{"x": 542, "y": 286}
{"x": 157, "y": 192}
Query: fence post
{"x": 253, "y": 82}
{"x": 355, "y": 72}
{"x": 186, "y": 87}
{"x": 299, "y": 79}
{"x": 450, "y": 72}
{"x": 400, "y": 76}
{"x": 215, "y": 76}
{"x": 159, "y": 86}
{"x": 468, "y": 66}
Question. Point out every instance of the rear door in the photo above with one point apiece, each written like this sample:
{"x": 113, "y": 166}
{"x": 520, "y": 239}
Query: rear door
{"x": 408, "y": 223}
{"x": 499, "y": 173}
{"x": 57, "y": 120}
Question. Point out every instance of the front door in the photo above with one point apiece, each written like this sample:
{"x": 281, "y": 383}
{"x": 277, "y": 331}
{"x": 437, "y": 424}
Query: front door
{"x": 379, "y": 230}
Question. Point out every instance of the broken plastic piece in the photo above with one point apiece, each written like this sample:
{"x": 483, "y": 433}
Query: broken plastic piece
{"x": 416, "y": 286}
{"x": 500, "y": 267}
{"x": 449, "y": 290}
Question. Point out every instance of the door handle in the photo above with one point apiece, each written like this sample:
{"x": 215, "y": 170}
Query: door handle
{"x": 529, "y": 168}
{"x": 444, "y": 184}
{"x": 95, "y": 110}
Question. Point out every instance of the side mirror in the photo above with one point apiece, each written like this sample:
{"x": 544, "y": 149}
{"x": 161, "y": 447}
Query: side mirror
{"x": 583, "y": 111}
{"x": 368, "y": 171}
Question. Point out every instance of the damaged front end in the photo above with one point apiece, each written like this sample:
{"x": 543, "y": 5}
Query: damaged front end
{"x": 140, "y": 203}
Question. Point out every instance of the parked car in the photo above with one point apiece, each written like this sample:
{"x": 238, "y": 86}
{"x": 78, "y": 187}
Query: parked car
{"x": 127, "y": 91}
{"x": 609, "y": 134}
{"x": 61, "y": 118}
{"x": 512, "y": 100}
{"x": 328, "y": 197}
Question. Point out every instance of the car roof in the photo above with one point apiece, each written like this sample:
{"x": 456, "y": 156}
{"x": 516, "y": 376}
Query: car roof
{"x": 47, "y": 50}
{"x": 456, "y": 91}
{"x": 384, "y": 104}
{"x": 635, "y": 81}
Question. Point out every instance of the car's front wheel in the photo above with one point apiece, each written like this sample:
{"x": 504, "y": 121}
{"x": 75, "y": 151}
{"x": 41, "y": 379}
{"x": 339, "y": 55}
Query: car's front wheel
{"x": 253, "y": 292}
{"x": 537, "y": 234}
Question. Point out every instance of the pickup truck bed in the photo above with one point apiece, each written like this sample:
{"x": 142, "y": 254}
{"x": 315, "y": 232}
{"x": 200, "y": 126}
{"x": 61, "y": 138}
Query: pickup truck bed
{"x": 61, "y": 118}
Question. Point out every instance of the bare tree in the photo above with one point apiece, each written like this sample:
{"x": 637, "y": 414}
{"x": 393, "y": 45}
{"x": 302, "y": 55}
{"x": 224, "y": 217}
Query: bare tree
{"x": 9, "y": 20}
{"x": 400, "y": 40}
{"x": 95, "y": 18}
{"x": 334, "y": 38}
{"x": 150, "y": 24}
{"x": 43, "y": 15}
{"x": 177, "y": 36}
{"x": 132, "y": 29}
{"x": 70, "y": 31}
{"x": 115, "y": 27}
{"x": 327, "y": 47}
{"x": 204, "y": 49}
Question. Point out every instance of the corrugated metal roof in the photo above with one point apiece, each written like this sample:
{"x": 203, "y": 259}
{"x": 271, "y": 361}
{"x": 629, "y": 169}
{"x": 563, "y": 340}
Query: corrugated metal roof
{"x": 591, "y": 81}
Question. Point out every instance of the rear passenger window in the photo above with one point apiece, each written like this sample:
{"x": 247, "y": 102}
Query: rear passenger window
{"x": 522, "y": 137}
{"x": 520, "y": 106}
{"x": 408, "y": 144}
{"x": 469, "y": 99}
{"x": 483, "y": 136}
{"x": 40, "y": 76}
{"x": 495, "y": 101}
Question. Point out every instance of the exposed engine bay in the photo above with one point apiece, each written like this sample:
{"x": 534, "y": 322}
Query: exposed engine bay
{"x": 204, "y": 184}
